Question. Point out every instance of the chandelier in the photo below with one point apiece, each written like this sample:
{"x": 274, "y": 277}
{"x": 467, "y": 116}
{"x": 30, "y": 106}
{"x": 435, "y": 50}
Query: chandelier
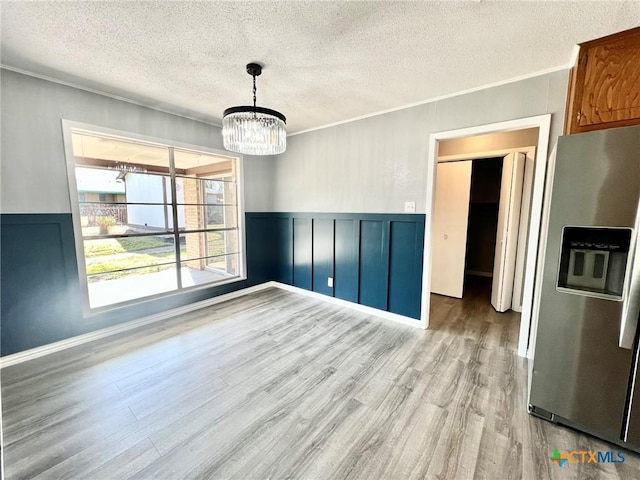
{"x": 254, "y": 130}
{"x": 124, "y": 167}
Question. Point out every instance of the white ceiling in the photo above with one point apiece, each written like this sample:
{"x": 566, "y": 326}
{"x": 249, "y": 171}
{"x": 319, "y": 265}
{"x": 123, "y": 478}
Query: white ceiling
{"x": 325, "y": 62}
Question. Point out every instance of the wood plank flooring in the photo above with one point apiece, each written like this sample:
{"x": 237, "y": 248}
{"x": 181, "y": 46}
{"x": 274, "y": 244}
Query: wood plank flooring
{"x": 278, "y": 385}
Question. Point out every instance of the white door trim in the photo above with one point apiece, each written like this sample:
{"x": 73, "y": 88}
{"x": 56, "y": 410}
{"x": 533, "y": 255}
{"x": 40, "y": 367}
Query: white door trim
{"x": 543, "y": 123}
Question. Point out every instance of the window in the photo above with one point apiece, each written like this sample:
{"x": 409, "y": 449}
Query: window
{"x": 152, "y": 218}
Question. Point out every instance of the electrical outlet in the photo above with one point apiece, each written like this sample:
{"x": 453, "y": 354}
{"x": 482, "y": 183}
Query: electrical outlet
{"x": 409, "y": 207}
{"x": 330, "y": 282}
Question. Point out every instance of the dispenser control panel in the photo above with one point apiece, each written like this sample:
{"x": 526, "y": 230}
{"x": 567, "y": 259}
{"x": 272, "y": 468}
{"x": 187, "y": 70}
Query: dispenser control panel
{"x": 593, "y": 261}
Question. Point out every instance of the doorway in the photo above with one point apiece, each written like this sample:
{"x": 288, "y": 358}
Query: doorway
{"x": 528, "y": 235}
{"x": 484, "y": 205}
{"x": 479, "y": 208}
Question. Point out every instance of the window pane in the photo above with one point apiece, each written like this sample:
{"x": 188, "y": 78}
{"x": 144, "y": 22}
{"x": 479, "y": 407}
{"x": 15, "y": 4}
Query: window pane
{"x": 137, "y": 283}
{"x": 224, "y": 263}
{"x": 109, "y": 258}
{"x": 105, "y": 219}
{"x": 193, "y": 245}
{"x": 147, "y": 188}
{"x": 206, "y": 191}
{"x": 190, "y": 217}
{"x": 95, "y": 184}
{"x": 120, "y": 155}
{"x": 219, "y": 192}
{"x": 209, "y": 270}
{"x": 193, "y": 163}
{"x": 102, "y": 219}
{"x": 200, "y": 217}
{"x": 222, "y": 243}
{"x": 149, "y": 218}
{"x": 220, "y": 216}
{"x": 206, "y": 244}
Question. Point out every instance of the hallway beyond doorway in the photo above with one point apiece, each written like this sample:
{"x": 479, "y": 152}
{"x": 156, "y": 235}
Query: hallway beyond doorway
{"x": 472, "y": 315}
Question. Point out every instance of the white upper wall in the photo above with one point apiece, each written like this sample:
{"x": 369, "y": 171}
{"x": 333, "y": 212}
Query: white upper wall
{"x": 377, "y": 163}
{"x": 369, "y": 165}
{"x": 33, "y": 176}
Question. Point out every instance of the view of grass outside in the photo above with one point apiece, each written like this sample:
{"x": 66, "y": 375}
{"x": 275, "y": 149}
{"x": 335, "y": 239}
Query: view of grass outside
{"x": 140, "y": 263}
{"x": 112, "y": 246}
{"x": 215, "y": 243}
{"x": 113, "y": 258}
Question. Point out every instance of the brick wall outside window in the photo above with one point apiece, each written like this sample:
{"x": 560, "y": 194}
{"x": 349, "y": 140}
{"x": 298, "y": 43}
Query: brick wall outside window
{"x": 193, "y": 215}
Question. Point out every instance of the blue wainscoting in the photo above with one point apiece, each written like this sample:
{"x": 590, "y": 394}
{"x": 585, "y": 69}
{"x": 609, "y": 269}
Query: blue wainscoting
{"x": 374, "y": 263}
{"x": 40, "y": 287}
{"x": 269, "y": 248}
{"x": 405, "y": 265}
{"x": 323, "y": 256}
{"x": 374, "y": 259}
{"x": 347, "y": 259}
{"x": 303, "y": 253}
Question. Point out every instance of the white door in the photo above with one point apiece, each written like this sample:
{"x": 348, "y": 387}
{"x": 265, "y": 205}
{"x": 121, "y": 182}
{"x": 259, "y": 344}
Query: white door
{"x": 523, "y": 231}
{"x": 449, "y": 234}
{"x": 504, "y": 264}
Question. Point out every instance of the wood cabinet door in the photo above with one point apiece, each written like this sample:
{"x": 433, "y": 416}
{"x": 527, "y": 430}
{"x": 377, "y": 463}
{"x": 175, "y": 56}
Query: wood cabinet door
{"x": 607, "y": 84}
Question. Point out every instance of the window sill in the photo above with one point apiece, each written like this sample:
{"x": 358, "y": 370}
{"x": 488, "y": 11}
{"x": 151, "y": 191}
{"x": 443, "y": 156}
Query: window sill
{"x": 100, "y": 311}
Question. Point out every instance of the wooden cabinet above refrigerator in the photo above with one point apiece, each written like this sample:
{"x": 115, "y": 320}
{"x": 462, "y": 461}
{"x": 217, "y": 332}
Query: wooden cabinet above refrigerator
{"x": 604, "y": 86}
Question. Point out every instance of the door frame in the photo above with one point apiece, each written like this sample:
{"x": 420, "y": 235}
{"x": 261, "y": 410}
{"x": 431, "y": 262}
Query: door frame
{"x": 530, "y": 154}
{"x": 543, "y": 123}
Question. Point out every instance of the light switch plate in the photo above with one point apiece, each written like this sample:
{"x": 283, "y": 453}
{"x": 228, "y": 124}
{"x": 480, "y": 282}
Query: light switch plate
{"x": 329, "y": 281}
{"x": 409, "y": 207}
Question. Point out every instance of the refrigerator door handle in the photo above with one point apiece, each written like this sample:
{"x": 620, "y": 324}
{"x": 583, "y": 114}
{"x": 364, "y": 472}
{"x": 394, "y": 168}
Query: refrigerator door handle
{"x": 631, "y": 304}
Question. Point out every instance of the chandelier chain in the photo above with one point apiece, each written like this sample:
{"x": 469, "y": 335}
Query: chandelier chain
{"x": 254, "y": 90}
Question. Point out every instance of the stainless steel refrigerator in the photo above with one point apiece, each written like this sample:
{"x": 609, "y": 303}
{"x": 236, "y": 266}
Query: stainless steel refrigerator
{"x": 585, "y": 368}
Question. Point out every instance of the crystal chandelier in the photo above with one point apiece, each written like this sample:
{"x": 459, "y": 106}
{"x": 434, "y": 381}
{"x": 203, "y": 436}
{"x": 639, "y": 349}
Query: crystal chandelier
{"x": 124, "y": 167}
{"x": 254, "y": 130}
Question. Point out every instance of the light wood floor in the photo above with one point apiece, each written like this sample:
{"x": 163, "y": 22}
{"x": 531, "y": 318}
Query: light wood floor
{"x": 278, "y": 385}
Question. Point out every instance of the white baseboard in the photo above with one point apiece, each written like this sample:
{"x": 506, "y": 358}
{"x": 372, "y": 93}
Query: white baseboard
{"x": 37, "y": 352}
{"x": 394, "y": 317}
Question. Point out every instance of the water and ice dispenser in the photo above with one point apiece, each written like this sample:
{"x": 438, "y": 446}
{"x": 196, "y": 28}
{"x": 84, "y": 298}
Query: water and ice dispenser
{"x": 593, "y": 261}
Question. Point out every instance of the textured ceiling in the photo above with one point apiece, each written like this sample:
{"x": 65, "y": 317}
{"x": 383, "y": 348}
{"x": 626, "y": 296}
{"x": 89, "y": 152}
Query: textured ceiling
{"x": 325, "y": 62}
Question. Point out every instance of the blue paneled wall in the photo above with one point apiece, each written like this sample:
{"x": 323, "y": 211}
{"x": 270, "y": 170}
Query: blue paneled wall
{"x": 323, "y": 256}
{"x": 40, "y": 300}
{"x": 347, "y": 259}
{"x": 374, "y": 263}
{"x": 303, "y": 253}
{"x": 374, "y": 259}
{"x": 40, "y": 288}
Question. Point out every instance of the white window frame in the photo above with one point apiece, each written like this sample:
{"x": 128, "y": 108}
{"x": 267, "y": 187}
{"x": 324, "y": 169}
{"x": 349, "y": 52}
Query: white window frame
{"x": 68, "y": 128}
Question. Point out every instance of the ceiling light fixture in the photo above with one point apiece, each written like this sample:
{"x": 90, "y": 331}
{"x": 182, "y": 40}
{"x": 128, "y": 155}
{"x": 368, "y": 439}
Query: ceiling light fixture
{"x": 254, "y": 130}
{"x": 125, "y": 167}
